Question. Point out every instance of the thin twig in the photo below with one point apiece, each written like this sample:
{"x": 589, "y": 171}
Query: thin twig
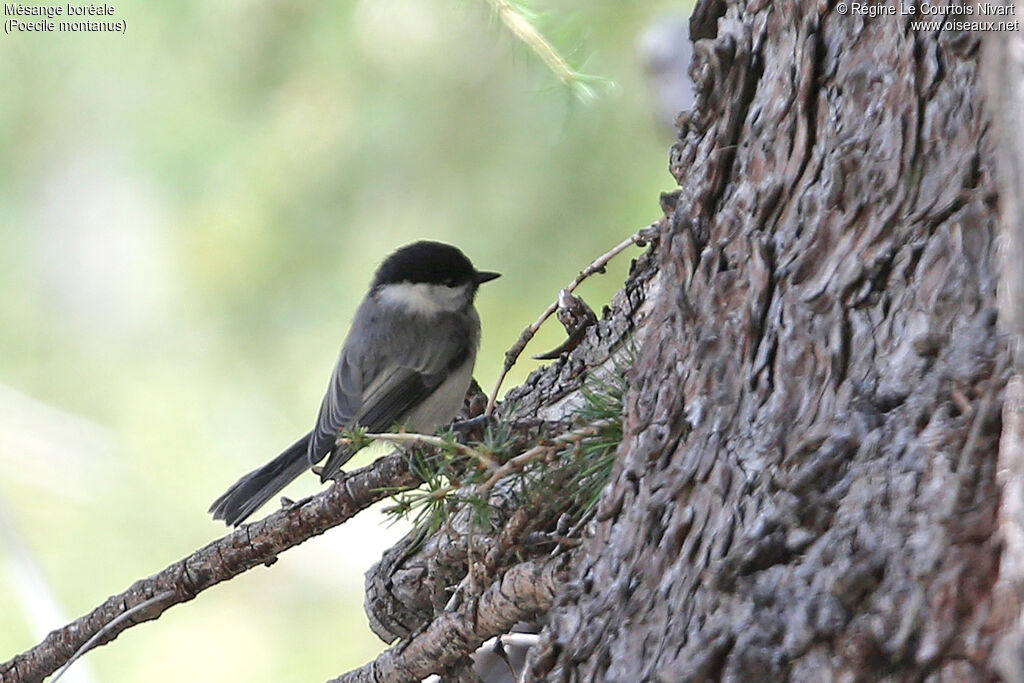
{"x": 517, "y": 639}
{"x": 541, "y": 46}
{"x": 428, "y": 440}
{"x": 520, "y": 461}
{"x": 42, "y": 609}
{"x": 251, "y": 545}
{"x": 515, "y": 464}
{"x": 89, "y": 644}
{"x": 598, "y": 265}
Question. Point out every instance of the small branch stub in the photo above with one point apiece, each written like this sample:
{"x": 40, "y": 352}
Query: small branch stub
{"x": 639, "y": 238}
{"x": 523, "y": 592}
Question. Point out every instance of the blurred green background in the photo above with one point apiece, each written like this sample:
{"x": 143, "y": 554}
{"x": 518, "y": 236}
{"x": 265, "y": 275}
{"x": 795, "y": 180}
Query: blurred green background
{"x": 188, "y": 216}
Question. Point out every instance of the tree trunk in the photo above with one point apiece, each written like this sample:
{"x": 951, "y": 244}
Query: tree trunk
{"x": 807, "y": 488}
{"x": 822, "y": 470}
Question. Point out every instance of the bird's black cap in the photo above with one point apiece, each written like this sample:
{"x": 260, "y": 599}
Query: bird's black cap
{"x": 429, "y": 262}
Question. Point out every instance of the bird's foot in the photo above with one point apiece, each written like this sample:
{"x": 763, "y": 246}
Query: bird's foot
{"x": 471, "y": 429}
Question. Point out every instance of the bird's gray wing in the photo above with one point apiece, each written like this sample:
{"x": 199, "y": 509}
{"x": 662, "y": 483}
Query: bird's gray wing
{"x": 340, "y": 404}
{"x": 388, "y": 388}
{"x": 395, "y": 395}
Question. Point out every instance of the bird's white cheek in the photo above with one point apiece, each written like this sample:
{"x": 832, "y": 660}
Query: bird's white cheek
{"x": 424, "y": 298}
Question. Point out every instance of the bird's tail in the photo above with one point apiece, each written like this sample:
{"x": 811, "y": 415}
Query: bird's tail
{"x": 257, "y": 487}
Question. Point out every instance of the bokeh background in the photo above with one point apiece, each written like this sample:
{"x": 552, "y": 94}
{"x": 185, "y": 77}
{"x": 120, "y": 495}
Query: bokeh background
{"x": 189, "y": 214}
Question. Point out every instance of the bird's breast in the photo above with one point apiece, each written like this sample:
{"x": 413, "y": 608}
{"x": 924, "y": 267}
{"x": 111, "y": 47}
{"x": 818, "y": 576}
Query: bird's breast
{"x": 443, "y": 405}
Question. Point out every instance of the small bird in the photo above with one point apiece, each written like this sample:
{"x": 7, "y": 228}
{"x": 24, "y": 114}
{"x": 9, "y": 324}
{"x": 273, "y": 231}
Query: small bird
{"x": 408, "y": 360}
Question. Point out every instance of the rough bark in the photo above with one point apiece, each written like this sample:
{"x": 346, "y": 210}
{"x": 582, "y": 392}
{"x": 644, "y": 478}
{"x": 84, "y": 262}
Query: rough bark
{"x": 1004, "y": 81}
{"x": 807, "y": 485}
{"x": 1003, "y": 73}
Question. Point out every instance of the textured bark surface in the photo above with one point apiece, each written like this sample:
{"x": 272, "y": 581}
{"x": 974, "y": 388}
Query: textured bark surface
{"x": 807, "y": 487}
{"x": 1003, "y": 74}
{"x": 1004, "y": 81}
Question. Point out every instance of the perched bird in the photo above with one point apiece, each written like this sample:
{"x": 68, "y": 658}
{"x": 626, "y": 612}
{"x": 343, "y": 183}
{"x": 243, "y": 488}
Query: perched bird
{"x": 408, "y": 360}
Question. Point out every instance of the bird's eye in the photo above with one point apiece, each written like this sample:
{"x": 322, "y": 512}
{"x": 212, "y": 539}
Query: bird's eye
{"x": 450, "y": 282}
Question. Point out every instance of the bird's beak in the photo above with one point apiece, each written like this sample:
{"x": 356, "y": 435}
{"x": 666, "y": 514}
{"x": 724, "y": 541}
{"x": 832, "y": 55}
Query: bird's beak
{"x": 483, "y": 276}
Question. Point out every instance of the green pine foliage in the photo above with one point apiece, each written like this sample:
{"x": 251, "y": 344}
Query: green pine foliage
{"x": 524, "y": 24}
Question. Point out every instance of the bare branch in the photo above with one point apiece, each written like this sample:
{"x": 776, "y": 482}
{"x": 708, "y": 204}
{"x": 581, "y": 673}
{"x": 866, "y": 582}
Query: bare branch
{"x": 523, "y": 592}
{"x": 248, "y": 546}
{"x": 597, "y": 266}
